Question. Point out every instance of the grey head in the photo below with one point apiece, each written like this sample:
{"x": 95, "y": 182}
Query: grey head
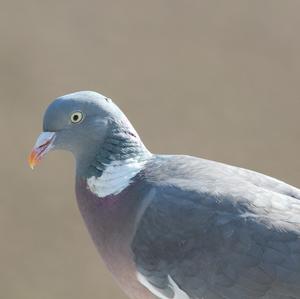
{"x": 90, "y": 126}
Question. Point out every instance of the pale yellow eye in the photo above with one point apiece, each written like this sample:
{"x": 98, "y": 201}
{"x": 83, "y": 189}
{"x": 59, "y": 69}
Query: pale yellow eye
{"x": 76, "y": 117}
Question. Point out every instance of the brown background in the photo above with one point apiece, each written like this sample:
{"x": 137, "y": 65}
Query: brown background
{"x": 217, "y": 79}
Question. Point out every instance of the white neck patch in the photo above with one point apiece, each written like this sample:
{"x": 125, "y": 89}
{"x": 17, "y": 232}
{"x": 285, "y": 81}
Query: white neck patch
{"x": 116, "y": 177}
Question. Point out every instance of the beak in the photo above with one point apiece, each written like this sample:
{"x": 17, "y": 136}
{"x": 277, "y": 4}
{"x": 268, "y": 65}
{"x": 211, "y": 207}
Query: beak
{"x": 42, "y": 146}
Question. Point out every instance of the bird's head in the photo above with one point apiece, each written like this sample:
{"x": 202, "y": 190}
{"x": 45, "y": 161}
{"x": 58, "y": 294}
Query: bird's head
{"x": 79, "y": 122}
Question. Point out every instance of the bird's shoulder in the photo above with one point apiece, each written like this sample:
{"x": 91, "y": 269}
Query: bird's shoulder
{"x": 193, "y": 173}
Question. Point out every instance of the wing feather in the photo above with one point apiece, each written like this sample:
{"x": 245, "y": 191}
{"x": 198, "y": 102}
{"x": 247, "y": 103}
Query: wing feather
{"x": 241, "y": 240}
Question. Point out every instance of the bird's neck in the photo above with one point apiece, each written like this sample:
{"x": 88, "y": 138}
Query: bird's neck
{"x": 122, "y": 146}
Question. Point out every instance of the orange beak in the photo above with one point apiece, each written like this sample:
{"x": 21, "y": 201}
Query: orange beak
{"x": 42, "y": 146}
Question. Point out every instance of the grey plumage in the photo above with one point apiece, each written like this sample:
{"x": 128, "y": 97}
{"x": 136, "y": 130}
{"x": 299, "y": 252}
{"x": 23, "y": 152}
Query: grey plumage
{"x": 172, "y": 226}
{"x": 219, "y": 231}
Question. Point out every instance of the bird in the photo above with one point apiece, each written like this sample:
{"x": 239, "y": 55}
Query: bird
{"x": 174, "y": 226}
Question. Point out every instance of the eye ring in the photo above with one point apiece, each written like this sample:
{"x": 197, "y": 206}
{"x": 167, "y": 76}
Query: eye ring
{"x": 76, "y": 117}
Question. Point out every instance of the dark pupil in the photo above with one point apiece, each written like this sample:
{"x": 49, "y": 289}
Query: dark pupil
{"x": 75, "y": 117}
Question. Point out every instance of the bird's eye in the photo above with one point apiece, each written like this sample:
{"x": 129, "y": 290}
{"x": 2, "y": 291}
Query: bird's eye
{"x": 76, "y": 117}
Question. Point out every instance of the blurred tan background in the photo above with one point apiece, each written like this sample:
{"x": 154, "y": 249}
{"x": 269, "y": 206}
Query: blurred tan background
{"x": 217, "y": 79}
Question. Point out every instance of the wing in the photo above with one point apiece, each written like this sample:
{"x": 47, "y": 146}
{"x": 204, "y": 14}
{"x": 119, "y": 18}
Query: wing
{"x": 242, "y": 241}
